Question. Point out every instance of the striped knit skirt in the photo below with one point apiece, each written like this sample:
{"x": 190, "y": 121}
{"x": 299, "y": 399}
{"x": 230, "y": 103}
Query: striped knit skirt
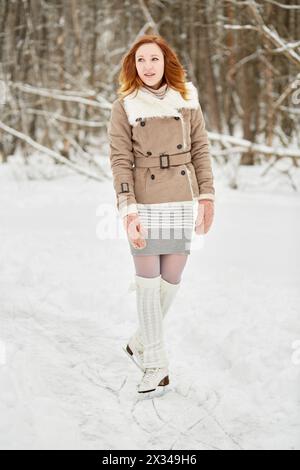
{"x": 169, "y": 227}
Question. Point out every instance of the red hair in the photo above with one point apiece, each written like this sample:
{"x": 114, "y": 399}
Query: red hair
{"x": 174, "y": 73}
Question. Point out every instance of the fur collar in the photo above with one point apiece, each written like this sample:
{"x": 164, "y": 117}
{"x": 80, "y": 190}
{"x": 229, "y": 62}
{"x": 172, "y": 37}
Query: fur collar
{"x": 140, "y": 104}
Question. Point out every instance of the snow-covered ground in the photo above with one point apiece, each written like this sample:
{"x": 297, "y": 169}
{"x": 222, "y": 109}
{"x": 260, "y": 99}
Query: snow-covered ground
{"x": 233, "y": 333}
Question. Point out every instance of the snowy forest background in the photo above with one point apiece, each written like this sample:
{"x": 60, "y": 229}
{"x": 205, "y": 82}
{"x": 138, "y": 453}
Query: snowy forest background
{"x": 234, "y": 333}
{"x": 60, "y": 62}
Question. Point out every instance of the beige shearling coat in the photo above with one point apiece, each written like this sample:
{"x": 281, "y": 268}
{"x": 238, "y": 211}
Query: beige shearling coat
{"x": 159, "y": 150}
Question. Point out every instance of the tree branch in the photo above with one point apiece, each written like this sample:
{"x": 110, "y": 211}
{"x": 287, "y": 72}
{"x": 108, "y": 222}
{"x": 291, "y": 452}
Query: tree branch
{"x": 252, "y": 146}
{"x": 51, "y": 153}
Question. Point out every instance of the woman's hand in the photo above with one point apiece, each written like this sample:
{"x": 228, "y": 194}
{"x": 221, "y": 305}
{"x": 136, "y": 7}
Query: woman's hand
{"x": 205, "y": 216}
{"x": 135, "y": 230}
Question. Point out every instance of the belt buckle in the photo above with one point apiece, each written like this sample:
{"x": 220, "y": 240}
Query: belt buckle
{"x": 165, "y": 164}
{"x": 124, "y": 188}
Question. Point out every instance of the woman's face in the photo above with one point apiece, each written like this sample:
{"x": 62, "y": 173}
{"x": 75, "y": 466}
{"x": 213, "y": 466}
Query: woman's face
{"x": 149, "y": 59}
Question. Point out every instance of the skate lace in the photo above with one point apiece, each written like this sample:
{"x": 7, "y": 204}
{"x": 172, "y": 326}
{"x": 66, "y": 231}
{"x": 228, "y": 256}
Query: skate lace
{"x": 149, "y": 373}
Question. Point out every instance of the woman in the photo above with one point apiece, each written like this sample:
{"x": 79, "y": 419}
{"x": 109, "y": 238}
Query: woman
{"x": 162, "y": 176}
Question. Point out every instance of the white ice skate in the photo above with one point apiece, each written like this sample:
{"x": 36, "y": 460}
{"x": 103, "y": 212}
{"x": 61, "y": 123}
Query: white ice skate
{"x": 135, "y": 351}
{"x": 153, "y": 378}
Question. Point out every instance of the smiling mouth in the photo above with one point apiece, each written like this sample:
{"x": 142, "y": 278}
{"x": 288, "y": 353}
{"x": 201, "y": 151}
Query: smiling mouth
{"x": 152, "y": 75}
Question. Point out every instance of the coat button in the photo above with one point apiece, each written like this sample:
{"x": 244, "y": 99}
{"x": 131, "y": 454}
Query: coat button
{"x": 152, "y": 177}
{"x": 143, "y": 123}
{"x": 179, "y": 146}
{"x": 177, "y": 117}
{"x": 182, "y": 172}
{"x": 149, "y": 153}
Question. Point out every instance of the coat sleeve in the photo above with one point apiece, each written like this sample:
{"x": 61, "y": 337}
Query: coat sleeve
{"x": 121, "y": 159}
{"x": 201, "y": 158}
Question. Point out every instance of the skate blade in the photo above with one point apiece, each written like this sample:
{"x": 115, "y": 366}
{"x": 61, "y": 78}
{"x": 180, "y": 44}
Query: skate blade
{"x": 133, "y": 359}
{"x": 160, "y": 391}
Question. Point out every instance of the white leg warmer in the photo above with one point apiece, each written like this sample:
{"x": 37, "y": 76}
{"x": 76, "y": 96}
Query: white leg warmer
{"x": 151, "y": 321}
{"x": 167, "y": 295}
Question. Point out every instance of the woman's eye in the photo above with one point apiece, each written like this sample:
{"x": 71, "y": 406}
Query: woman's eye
{"x": 153, "y": 58}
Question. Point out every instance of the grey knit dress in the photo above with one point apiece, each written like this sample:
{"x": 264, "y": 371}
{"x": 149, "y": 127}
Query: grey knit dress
{"x": 169, "y": 226}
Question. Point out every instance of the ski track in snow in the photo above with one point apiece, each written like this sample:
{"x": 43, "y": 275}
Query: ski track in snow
{"x": 65, "y": 313}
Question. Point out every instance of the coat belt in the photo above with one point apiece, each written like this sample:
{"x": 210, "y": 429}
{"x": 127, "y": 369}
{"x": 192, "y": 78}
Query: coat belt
{"x": 164, "y": 160}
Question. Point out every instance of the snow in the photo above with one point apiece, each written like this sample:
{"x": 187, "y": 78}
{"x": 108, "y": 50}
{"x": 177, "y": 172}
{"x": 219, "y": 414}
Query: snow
{"x": 65, "y": 312}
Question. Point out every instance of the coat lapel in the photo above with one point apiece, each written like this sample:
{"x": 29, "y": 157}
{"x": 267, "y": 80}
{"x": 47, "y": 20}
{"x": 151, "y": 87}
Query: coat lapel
{"x": 141, "y": 104}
